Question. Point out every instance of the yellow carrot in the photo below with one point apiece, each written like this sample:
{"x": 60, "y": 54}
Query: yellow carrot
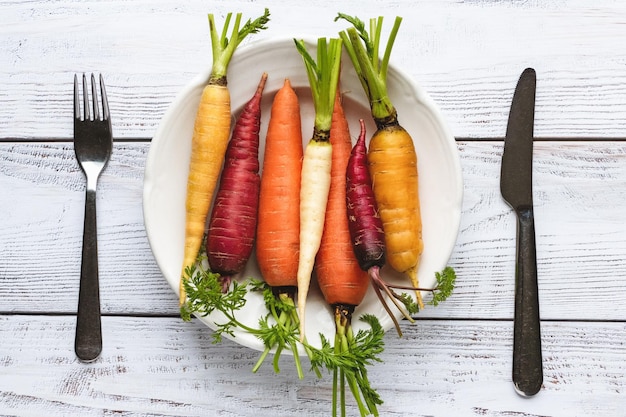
{"x": 315, "y": 180}
{"x": 392, "y": 158}
{"x": 210, "y": 137}
{"x": 393, "y": 167}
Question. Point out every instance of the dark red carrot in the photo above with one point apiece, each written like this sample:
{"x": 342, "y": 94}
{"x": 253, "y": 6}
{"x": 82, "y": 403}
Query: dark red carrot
{"x": 366, "y": 228}
{"x": 232, "y": 226}
{"x": 365, "y": 225}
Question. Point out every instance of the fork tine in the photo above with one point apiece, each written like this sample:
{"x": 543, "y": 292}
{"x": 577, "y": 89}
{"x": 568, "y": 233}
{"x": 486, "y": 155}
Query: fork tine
{"x": 86, "y": 112}
{"x": 94, "y": 99}
{"x": 76, "y": 99}
{"x": 105, "y": 100}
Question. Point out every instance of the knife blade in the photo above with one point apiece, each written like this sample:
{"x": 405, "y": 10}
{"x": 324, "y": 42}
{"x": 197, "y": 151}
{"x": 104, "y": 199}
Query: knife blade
{"x": 516, "y": 189}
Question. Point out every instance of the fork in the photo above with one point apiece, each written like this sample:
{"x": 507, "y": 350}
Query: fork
{"x": 93, "y": 143}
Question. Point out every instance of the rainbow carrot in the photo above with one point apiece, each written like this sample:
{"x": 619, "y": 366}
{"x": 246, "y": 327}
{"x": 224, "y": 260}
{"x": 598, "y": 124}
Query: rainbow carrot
{"x": 232, "y": 226}
{"x": 392, "y": 158}
{"x": 342, "y": 282}
{"x": 315, "y": 181}
{"x": 210, "y": 138}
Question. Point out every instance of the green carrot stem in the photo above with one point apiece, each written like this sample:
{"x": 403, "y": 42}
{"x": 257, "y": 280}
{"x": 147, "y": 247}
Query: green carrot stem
{"x": 224, "y": 48}
{"x": 346, "y": 359}
{"x": 343, "y": 393}
{"x": 323, "y": 76}
{"x": 363, "y": 49}
{"x": 261, "y": 359}
{"x": 279, "y": 350}
{"x": 296, "y": 358}
{"x": 344, "y": 343}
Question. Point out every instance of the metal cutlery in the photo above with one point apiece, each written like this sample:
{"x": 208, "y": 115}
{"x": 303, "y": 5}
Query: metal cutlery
{"x": 516, "y": 189}
{"x": 93, "y": 143}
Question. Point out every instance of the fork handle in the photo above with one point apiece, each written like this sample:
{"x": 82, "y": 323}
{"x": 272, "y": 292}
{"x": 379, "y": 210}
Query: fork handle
{"x": 88, "y": 341}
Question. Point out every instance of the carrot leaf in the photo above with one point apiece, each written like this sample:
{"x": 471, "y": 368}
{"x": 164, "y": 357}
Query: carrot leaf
{"x": 277, "y": 330}
{"x": 409, "y": 303}
{"x": 363, "y": 49}
{"x": 446, "y": 280}
{"x": 323, "y": 76}
{"x": 205, "y": 295}
{"x": 348, "y": 359}
{"x": 223, "y": 48}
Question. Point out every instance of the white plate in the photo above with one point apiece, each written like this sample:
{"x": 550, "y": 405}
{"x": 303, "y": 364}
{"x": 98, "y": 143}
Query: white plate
{"x": 440, "y": 180}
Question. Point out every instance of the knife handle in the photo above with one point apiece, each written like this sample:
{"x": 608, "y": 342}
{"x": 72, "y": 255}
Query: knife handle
{"x": 527, "y": 360}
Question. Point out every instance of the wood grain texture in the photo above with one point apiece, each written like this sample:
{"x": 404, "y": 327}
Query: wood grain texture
{"x": 456, "y": 359}
{"x": 41, "y": 235}
{"x": 466, "y": 55}
{"x": 164, "y": 367}
{"x": 578, "y": 195}
{"x": 581, "y": 236}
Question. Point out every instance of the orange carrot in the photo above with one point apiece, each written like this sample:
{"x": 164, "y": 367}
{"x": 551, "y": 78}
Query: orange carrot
{"x": 210, "y": 138}
{"x": 339, "y": 276}
{"x": 341, "y": 279}
{"x": 278, "y": 229}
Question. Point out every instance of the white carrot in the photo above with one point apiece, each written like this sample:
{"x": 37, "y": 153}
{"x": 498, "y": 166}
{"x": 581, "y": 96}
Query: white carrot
{"x": 313, "y": 199}
{"x": 315, "y": 181}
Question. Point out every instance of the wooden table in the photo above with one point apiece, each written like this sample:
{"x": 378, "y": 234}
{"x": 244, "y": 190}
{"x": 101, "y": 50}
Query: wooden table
{"x": 456, "y": 361}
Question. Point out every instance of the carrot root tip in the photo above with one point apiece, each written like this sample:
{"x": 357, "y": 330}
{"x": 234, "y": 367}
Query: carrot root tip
{"x": 415, "y": 281}
{"x": 225, "y": 280}
{"x": 381, "y": 286}
{"x": 344, "y": 312}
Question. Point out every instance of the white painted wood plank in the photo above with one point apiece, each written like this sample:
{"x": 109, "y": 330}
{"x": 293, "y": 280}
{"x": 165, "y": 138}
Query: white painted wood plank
{"x": 43, "y": 228}
{"x": 456, "y": 359}
{"x": 163, "y": 367}
{"x": 581, "y": 235}
{"x": 466, "y": 55}
{"x": 578, "y": 195}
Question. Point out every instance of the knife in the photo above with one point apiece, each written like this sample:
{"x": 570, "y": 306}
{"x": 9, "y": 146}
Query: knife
{"x": 516, "y": 189}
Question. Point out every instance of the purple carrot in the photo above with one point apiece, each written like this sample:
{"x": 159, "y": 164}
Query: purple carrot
{"x": 365, "y": 225}
{"x": 232, "y": 226}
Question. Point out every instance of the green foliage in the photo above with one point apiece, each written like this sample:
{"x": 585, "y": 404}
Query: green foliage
{"x": 323, "y": 76}
{"x": 223, "y": 48}
{"x": 366, "y": 346}
{"x": 409, "y": 303}
{"x": 446, "y": 280}
{"x": 363, "y": 48}
{"x": 348, "y": 359}
{"x": 349, "y": 356}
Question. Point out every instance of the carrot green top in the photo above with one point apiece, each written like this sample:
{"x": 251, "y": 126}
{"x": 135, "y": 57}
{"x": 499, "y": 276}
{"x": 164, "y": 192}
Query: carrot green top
{"x": 323, "y": 77}
{"x": 223, "y": 48}
{"x": 363, "y": 49}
